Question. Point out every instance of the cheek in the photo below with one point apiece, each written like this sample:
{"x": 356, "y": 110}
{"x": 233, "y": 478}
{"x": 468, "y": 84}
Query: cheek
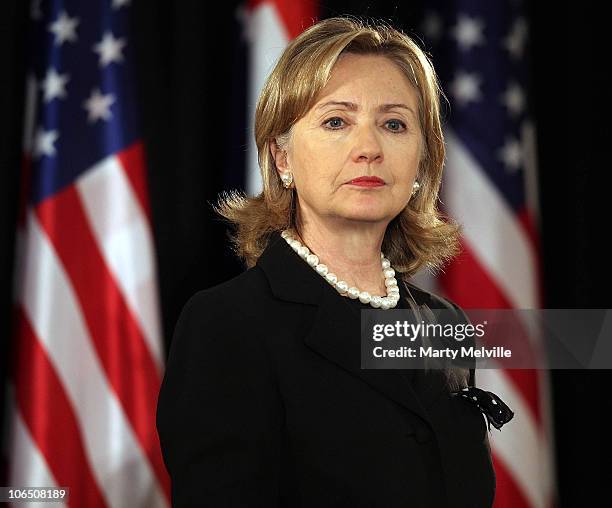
{"x": 406, "y": 165}
{"x": 316, "y": 166}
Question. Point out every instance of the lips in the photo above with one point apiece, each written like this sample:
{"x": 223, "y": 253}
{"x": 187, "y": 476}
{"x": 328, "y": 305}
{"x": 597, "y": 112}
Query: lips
{"x": 367, "y": 181}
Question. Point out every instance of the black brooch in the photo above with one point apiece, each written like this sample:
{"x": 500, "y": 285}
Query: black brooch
{"x": 496, "y": 411}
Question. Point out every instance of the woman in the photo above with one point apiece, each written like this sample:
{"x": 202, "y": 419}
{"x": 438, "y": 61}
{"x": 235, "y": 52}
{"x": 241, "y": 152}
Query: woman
{"x": 264, "y": 402}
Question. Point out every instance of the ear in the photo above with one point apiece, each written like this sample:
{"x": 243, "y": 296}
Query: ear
{"x": 279, "y": 156}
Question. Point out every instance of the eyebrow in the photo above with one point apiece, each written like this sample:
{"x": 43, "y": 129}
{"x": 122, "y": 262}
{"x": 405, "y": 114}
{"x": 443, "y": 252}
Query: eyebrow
{"x": 354, "y": 107}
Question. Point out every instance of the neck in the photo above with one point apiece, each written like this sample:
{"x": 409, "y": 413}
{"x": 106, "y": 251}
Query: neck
{"x": 350, "y": 251}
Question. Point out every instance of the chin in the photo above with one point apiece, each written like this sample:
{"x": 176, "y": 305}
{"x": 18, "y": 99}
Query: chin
{"x": 366, "y": 214}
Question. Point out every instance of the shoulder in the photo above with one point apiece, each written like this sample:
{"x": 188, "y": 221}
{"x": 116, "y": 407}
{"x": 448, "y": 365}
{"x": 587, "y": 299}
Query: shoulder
{"x": 251, "y": 280}
{"x": 232, "y": 295}
{"x": 225, "y": 317}
{"x": 236, "y": 303}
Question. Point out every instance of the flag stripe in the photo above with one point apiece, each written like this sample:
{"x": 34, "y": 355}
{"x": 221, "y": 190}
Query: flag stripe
{"x": 469, "y": 285}
{"x": 466, "y": 272}
{"x": 117, "y": 460}
{"x": 503, "y": 247}
{"x": 133, "y": 161}
{"x": 528, "y": 385}
{"x": 115, "y": 335}
{"x": 269, "y": 26}
{"x": 522, "y": 449}
{"x": 85, "y": 273}
{"x": 512, "y": 496}
{"x": 526, "y": 217}
{"x": 43, "y": 394}
{"x": 498, "y": 269}
{"x": 118, "y": 463}
{"x": 28, "y": 467}
{"x": 119, "y": 224}
{"x": 481, "y": 55}
{"x": 296, "y": 16}
{"x": 268, "y": 37}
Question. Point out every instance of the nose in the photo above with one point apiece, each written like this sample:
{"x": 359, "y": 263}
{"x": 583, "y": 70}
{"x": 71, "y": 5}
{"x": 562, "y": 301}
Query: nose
{"x": 367, "y": 146}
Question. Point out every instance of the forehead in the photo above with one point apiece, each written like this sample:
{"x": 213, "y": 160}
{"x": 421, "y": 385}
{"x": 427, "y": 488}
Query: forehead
{"x": 371, "y": 79}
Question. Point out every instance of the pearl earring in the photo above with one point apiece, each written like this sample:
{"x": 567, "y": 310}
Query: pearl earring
{"x": 415, "y": 187}
{"x": 287, "y": 178}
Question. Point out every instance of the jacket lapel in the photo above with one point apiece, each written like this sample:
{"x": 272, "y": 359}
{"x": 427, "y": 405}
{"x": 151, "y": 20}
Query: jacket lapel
{"x": 336, "y": 329}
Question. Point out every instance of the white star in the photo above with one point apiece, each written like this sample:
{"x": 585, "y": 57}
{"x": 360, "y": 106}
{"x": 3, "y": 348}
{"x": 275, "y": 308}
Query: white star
{"x": 98, "y": 106}
{"x": 35, "y": 12}
{"x": 465, "y": 88}
{"x": 54, "y": 85}
{"x": 43, "y": 145}
{"x": 514, "y": 99}
{"x": 432, "y": 26}
{"x": 109, "y": 49}
{"x": 512, "y": 155}
{"x": 64, "y": 28}
{"x": 468, "y": 32}
{"x": 515, "y": 41}
{"x": 117, "y": 4}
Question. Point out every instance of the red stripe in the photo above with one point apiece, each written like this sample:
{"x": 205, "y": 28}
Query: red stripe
{"x": 116, "y": 336}
{"x": 469, "y": 285}
{"x": 526, "y": 220}
{"x": 133, "y": 161}
{"x": 297, "y": 16}
{"x": 47, "y": 413}
{"x": 466, "y": 282}
{"x": 508, "y": 493}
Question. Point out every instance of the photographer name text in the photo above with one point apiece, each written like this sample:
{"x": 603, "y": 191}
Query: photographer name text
{"x": 446, "y": 353}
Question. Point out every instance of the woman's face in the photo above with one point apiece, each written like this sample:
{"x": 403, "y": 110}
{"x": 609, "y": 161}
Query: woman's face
{"x": 371, "y": 128}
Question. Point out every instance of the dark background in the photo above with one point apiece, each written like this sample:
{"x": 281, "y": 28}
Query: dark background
{"x": 191, "y": 93}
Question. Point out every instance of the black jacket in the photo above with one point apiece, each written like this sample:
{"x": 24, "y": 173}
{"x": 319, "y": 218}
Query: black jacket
{"x": 264, "y": 404}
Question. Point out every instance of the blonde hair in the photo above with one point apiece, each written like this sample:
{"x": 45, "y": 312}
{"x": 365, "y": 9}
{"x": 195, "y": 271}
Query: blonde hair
{"x": 420, "y": 236}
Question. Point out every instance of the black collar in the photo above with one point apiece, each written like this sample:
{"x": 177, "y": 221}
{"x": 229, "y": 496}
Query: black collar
{"x": 290, "y": 278}
{"x": 335, "y": 333}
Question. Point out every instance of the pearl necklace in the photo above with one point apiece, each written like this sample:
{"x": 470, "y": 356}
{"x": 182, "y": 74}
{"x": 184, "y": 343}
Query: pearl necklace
{"x": 383, "y": 302}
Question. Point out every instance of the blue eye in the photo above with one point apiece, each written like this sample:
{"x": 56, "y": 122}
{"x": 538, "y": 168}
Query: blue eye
{"x": 336, "y": 118}
{"x": 336, "y": 122}
{"x": 398, "y": 122}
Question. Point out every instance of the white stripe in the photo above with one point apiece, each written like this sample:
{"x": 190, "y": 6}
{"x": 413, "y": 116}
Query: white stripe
{"x": 117, "y": 460}
{"x": 490, "y": 226}
{"x": 520, "y": 444}
{"x": 504, "y": 250}
{"x": 125, "y": 241}
{"x": 268, "y": 37}
{"x": 28, "y": 468}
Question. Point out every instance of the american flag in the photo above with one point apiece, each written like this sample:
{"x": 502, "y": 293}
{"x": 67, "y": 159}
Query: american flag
{"x": 88, "y": 354}
{"x": 481, "y": 52}
{"x": 269, "y": 25}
